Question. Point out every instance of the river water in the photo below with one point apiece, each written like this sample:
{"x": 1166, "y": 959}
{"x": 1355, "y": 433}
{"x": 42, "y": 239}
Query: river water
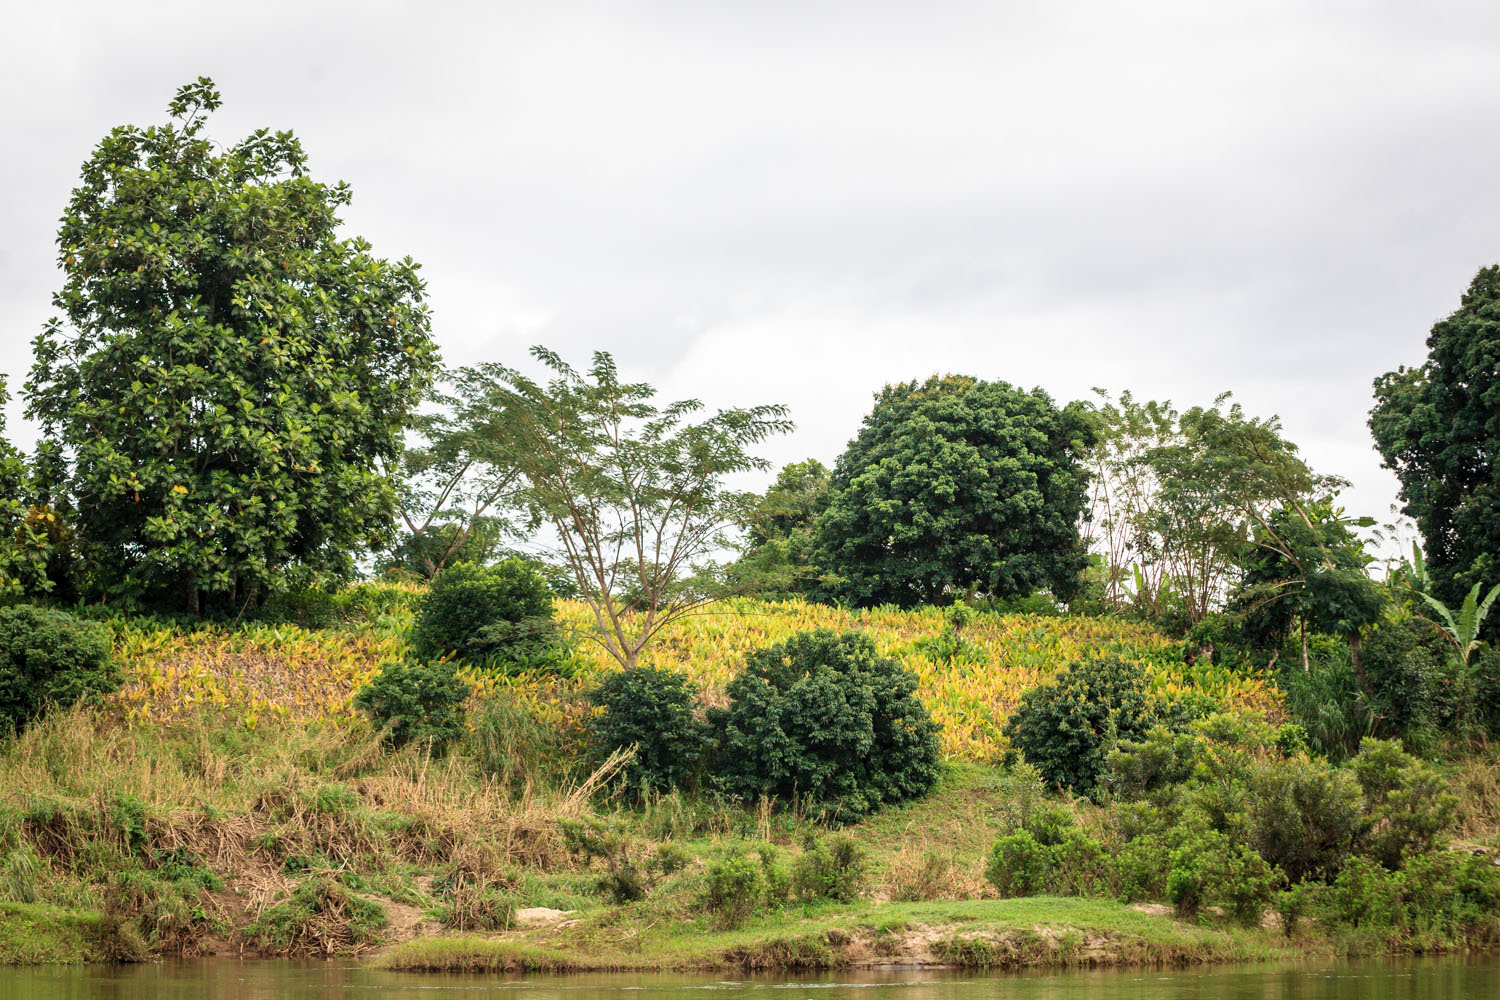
{"x": 1448, "y": 979}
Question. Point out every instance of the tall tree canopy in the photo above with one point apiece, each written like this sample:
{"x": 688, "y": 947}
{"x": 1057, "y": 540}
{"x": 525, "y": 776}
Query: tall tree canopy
{"x": 1180, "y": 499}
{"x": 634, "y": 493}
{"x": 955, "y": 484}
{"x": 230, "y": 376}
{"x": 1438, "y": 427}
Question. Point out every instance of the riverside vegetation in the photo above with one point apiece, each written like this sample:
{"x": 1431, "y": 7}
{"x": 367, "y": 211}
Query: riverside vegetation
{"x": 287, "y": 666}
{"x": 263, "y": 819}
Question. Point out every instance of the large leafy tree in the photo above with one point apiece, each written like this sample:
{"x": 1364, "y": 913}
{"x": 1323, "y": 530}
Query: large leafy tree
{"x": 229, "y": 376}
{"x": 1438, "y": 428}
{"x": 636, "y": 495}
{"x": 956, "y": 484}
{"x": 1180, "y": 499}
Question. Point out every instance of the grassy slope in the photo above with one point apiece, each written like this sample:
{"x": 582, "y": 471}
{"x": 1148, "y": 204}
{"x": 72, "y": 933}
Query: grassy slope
{"x": 232, "y": 756}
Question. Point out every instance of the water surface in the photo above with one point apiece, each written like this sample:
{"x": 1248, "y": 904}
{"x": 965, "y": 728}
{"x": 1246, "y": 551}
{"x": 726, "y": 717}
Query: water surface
{"x": 1457, "y": 979}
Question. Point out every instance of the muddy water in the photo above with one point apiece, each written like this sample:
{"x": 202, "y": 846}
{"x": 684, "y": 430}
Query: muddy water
{"x": 1445, "y": 979}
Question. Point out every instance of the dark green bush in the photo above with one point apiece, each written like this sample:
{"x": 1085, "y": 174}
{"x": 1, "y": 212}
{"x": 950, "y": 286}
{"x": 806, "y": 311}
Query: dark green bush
{"x": 486, "y": 615}
{"x": 421, "y": 702}
{"x": 1408, "y": 807}
{"x": 1067, "y": 728}
{"x": 651, "y": 710}
{"x": 1142, "y": 866}
{"x": 833, "y": 868}
{"x": 1405, "y": 661}
{"x": 736, "y": 889}
{"x": 1049, "y": 854}
{"x": 50, "y": 657}
{"x": 823, "y": 719}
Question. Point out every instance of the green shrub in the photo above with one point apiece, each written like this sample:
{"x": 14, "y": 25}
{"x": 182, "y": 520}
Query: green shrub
{"x": 625, "y": 876}
{"x": 1302, "y": 815}
{"x": 1155, "y": 767}
{"x": 1019, "y": 866}
{"x": 1327, "y": 703}
{"x": 1405, "y": 662}
{"x": 736, "y": 889}
{"x": 651, "y": 710}
{"x": 1208, "y": 870}
{"x": 822, "y": 718}
{"x": 833, "y": 868}
{"x": 1067, "y": 728}
{"x": 486, "y": 615}
{"x": 50, "y": 657}
{"x": 421, "y": 702}
{"x": 1079, "y": 866}
{"x": 1407, "y": 803}
{"x": 1141, "y": 868}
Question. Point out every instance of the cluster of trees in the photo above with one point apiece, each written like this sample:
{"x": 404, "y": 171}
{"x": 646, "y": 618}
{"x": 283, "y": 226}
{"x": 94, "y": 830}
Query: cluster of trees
{"x": 235, "y": 402}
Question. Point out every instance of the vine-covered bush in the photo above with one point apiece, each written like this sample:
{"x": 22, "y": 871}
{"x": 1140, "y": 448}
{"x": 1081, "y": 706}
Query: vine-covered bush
{"x": 1067, "y": 728}
{"x": 486, "y": 614}
{"x": 653, "y": 711}
{"x": 823, "y": 719}
{"x": 416, "y": 702}
{"x": 50, "y": 657}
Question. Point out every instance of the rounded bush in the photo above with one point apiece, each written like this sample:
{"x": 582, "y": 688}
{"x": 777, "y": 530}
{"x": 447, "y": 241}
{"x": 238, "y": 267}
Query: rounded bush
{"x": 823, "y": 719}
{"x": 416, "y": 701}
{"x": 1067, "y": 728}
{"x": 50, "y": 657}
{"x": 485, "y": 614}
{"x": 651, "y": 710}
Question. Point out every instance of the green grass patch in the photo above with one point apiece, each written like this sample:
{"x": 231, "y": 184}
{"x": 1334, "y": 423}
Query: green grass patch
{"x": 39, "y": 934}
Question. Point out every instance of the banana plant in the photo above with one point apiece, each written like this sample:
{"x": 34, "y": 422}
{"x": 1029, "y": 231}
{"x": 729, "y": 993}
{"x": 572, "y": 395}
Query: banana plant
{"x": 1462, "y": 630}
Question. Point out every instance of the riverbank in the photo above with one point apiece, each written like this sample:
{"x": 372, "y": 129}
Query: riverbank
{"x": 1038, "y": 932}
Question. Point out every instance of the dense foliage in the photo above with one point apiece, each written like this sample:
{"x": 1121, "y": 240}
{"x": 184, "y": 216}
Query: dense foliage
{"x": 229, "y": 376}
{"x": 1067, "y": 728}
{"x": 651, "y": 711}
{"x": 824, "y": 720}
{"x": 50, "y": 658}
{"x": 957, "y": 485}
{"x": 415, "y": 701}
{"x": 485, "y": 614}
{"x": 1438, "y": 427}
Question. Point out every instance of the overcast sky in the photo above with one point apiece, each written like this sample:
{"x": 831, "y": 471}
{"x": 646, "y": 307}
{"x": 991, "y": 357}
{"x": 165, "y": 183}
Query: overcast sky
{"x": 799, "y": 201}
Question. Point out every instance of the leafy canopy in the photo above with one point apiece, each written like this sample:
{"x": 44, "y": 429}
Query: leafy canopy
{"x": 228, "y": 374}
{"x": 955, "y": 484}
{"x": 1438, "y": 428}
{"x": 634, "y": 493}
